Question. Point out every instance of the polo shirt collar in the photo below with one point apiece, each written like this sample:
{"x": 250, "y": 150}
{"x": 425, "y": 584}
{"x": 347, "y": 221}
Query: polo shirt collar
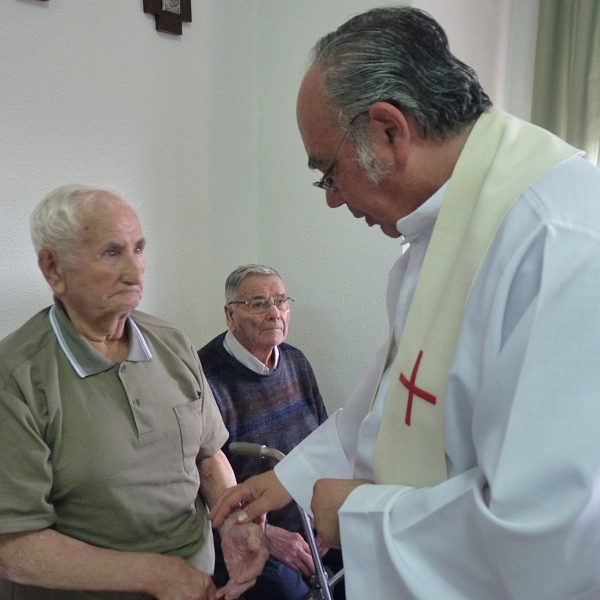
{"x": 84, "y": 358}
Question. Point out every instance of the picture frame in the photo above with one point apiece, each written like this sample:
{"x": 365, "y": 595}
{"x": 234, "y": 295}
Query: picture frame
{"x": 169, "y": 14}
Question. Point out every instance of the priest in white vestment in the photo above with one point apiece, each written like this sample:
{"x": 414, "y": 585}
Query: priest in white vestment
{"x": 466, "y": 465}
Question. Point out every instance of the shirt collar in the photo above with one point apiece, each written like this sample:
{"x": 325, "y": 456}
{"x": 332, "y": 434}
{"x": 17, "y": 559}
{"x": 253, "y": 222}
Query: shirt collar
{"x": 84, "y": 358}
{"x": 423, "y": 218}
{"x": 247, "y": 358}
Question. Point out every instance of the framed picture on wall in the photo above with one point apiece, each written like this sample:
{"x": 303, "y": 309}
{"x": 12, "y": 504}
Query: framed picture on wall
{"x": 169, "y": 14}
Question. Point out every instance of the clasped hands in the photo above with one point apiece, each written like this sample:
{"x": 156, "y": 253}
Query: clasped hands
{"x": 260, "y": 494}
{"x": 244, "y": 553}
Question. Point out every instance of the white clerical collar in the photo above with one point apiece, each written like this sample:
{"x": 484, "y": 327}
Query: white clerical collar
{"x": 423, "y": 217}
{"x": 240, "y": 353}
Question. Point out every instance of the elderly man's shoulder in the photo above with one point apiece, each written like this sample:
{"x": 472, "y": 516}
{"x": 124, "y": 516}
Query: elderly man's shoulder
{"x": 214, "y": 346}
{"x": 292, "y": 352}
{"x": 26, "y": 341}
{"x": 143, "y": 318}
{"x": 158, "y": 328}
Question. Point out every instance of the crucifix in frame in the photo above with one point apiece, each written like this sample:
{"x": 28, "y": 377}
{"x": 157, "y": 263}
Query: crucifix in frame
{"x": 169, "y": 14}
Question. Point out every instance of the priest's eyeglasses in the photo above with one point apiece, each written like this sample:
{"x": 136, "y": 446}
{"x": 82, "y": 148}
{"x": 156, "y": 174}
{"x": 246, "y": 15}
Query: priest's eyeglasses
{"x": 326, "y": 182}
{"x": 261, "y": 305}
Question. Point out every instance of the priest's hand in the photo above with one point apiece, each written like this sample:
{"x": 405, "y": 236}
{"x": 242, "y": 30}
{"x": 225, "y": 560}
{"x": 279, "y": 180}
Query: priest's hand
{"x": 328, "y": 497}
{"x": 257, "y": 496}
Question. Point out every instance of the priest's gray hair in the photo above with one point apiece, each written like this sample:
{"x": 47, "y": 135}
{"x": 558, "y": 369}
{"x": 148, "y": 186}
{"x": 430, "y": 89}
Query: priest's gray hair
{"x": 55, "y": 223}
{"x": 236, "y": 277}
{"x": 398, "y": 55}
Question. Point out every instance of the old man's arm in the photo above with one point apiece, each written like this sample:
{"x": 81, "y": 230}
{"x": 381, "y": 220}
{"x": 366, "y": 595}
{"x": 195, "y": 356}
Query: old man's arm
{"x": 47, "y": 558}
{"x": 243, "y": 550}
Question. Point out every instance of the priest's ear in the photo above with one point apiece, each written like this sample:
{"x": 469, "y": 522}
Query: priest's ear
{"x": 391, "y": 132}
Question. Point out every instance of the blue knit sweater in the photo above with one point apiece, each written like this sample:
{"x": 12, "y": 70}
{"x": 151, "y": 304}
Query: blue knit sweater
{"x": 278, "y": 409}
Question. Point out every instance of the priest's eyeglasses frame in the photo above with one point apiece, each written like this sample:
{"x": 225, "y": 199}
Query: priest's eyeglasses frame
{"x": 326, "y": 181}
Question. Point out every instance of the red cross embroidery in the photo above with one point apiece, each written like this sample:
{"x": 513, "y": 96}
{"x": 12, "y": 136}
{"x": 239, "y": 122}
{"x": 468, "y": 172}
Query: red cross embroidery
{"x": 414, "y": 390}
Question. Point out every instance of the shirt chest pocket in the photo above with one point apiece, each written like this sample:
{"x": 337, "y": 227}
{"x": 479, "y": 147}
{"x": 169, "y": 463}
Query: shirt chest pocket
{"x": 189, "y": 419}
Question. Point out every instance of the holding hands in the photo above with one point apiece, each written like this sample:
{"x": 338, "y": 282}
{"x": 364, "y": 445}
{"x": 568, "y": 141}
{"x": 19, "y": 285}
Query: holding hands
{"x": 244, "y": 553}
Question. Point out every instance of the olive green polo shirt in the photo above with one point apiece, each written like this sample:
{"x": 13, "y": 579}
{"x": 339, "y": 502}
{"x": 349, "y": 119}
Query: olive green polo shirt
{"x": 101, "y": 451}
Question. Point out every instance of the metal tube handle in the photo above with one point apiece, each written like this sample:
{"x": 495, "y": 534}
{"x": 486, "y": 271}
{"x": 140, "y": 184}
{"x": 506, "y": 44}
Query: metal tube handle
{"x": 255, "y": 450}
{"x": 258, "y": 451}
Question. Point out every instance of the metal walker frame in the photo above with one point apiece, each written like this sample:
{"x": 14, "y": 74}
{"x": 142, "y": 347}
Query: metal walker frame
{"x": 320, "y": 585}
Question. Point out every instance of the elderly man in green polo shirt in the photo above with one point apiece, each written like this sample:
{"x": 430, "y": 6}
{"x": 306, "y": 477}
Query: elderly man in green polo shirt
{"x": 109, "y": 434}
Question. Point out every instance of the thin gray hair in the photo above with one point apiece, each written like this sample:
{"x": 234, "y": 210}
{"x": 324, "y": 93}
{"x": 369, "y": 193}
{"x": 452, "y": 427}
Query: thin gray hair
{"x": 375, "y": 167}
{"x": 398, "y": 55}
{"x": 235, "y": 278}
{"x": 55, "y": 223}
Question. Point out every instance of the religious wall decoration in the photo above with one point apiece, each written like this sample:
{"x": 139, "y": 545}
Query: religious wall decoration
{"x": 169, "y": 14}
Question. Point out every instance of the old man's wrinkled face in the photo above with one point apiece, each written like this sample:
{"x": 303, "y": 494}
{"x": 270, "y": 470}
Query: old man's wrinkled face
{"x": 259, "y": 333}
{"x": 105, "y": 278}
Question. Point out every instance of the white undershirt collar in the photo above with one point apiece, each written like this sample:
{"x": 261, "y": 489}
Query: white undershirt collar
{"x": 240, "y": 353}
{"x": 422, "y": 218}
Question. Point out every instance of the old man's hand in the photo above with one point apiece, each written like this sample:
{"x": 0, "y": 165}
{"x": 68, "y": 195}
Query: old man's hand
{"x": 174, "y": 579}
{"x": 290, "y": 548}
{"x": 245, "y": 556}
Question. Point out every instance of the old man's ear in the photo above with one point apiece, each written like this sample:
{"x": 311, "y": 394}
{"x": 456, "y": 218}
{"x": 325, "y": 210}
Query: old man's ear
{"x": 51, "y": 270}
{"x": 229, "y": 317}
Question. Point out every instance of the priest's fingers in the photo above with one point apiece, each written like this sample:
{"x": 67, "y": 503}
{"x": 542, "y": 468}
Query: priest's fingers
{"x": 256, "y": 496}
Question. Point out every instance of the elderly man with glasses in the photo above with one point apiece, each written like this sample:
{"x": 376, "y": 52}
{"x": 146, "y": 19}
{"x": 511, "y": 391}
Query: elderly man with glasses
{"x": 267, "y": 393}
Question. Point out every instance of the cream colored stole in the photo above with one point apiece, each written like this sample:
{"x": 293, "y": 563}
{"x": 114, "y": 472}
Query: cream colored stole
{"x": 502, "y": 157}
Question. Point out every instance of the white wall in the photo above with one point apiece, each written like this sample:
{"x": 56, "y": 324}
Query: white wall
{"x": 199, "y": 131}
{"x": 91, "y": 92}
{"x": 520, "y": 59}
{"x": 333, "y": 265}
{"x": 478, "y": 34}
{"x": 497, "y": 39}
